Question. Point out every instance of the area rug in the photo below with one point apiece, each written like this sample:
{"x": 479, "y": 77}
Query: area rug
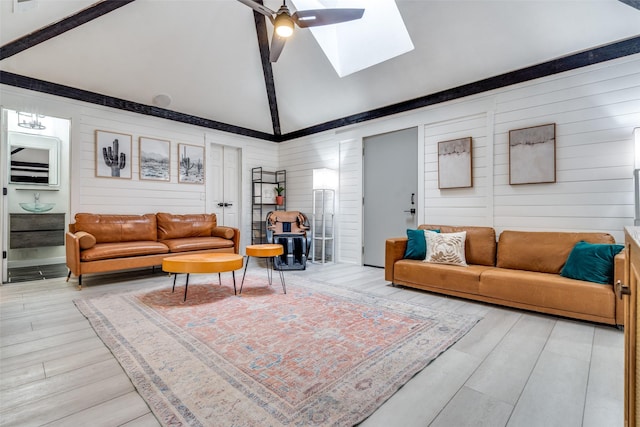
{"x": 318, "y": 355}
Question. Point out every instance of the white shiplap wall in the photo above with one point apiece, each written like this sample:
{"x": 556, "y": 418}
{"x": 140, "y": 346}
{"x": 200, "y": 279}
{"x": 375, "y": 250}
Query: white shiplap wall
{"x": 595, "y": 110}
{"x": 134, "y": 196}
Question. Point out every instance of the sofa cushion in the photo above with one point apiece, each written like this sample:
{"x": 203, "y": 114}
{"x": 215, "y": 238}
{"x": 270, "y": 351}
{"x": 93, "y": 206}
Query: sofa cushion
{"x": 548, "y": 290}
{"x": 480, "y": 244}
{"x": 197, "y": 244}
{"x": 117, "y": 228}
{"x": 172, "y": 226}
{"x": 443, "y": 276}
{"x": 121, "y": 250}
{"x": 541, "y": 251}
{"x": 446, "y": 248}
{"x": 592, "y": 262}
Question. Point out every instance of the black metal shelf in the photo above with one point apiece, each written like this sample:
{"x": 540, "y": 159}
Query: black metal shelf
{"x": 263, "y": 184}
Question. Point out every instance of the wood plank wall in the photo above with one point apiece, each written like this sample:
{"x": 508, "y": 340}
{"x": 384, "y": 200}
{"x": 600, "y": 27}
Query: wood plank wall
{"x": 135, "y": 196}
{"x": 595, "y": 110}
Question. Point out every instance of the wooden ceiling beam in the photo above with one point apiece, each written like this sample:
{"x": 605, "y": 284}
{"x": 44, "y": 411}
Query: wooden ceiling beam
{"x": 267, "y": 70}
{"x": 69, "y": 23}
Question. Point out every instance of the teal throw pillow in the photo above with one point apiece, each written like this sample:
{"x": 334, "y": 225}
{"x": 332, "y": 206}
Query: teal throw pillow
{"x": 416, "y": 244}
{"x": 592, "y": 262}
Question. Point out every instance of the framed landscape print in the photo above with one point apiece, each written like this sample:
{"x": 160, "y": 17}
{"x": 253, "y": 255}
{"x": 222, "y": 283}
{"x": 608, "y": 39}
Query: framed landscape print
{"x": 191, "y": 164}
{"x": 155, "y": 159}
{"x": 113, "y": 154}
{"x": 532, "y": 155}
{"x": 455, "y": 164}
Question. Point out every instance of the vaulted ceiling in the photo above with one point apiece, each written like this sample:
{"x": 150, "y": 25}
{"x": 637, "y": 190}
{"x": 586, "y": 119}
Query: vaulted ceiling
{"x": 211, "y": 57}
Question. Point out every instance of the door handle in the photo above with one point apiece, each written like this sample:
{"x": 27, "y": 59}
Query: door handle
{"x": 412, "y": 211}
{"x": 413, "y": 195}
{"x": 224, "y": 204}
{"x": 220, "y": 204}
{"x": 621, "y": 289}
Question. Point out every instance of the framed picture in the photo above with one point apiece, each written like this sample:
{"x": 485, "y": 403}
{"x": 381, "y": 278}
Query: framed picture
{"x": 532, "y": 155}
{"x": 190, "y": 164}
{"x": 155, "y": 159}
{"x": 455, "y": 164}
{"x": 266, "y": 192}
{"x": 113, "y": 154}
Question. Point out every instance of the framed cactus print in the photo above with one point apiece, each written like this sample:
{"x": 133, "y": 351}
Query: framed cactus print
{"x": 190, "y": 164}
{"x": 155, "y": 159}
{"x": 113, "y": 155}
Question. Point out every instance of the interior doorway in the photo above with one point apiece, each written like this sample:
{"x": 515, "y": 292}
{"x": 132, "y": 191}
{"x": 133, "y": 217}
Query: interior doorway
{"x": 390, "y": 188}
{"x": 224, "y": 184}
{"x": 34, "y": 173}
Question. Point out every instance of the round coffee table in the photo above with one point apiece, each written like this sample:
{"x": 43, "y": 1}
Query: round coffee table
{"x": 268, "y": 251}
{"x": 202, "y": 263}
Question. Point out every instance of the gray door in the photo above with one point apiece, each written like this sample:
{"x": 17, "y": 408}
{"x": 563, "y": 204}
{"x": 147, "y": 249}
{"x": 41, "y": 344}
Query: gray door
{"x": 390, "y": 190}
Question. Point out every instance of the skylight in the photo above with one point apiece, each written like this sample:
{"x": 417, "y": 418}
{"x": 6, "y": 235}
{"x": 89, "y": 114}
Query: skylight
{"x": 353, "y": 46}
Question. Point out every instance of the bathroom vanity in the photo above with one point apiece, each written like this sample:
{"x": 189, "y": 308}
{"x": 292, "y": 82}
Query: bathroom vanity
{"x": 34, "y": 230}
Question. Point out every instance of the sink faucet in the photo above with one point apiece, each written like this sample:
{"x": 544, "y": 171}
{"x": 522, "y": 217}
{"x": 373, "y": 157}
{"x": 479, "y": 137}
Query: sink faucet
{"x": 36, "y": 198}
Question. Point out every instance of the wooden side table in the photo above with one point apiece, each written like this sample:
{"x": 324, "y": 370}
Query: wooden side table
{"x": 268, "y": 251}
{"x": 202, "y": 263}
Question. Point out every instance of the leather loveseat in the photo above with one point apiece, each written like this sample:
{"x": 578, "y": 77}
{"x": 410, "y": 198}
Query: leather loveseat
{"x": 522, "y": 269}
{"x": 98, "y": 243}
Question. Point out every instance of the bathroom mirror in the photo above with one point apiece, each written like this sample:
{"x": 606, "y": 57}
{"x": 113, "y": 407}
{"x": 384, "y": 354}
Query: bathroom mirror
{"x": 34, "y": 159}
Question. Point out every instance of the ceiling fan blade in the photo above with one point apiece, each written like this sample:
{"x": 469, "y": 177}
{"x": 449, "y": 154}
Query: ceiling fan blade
{"x": 277, "y": 44}
{"x": 317, "y": 17}
{"x": 259, "y": 8}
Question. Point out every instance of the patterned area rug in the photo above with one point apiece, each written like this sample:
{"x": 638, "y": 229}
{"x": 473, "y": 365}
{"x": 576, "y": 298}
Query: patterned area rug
{"x": 319, "y": 355}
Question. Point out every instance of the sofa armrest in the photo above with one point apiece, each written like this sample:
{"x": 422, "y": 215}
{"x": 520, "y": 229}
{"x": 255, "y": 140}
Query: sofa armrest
{"x": 618, "y": 274}
{"x": 394, "y": 251}
{"x": 72, "y": 248}
{"x": 229, "y": 233}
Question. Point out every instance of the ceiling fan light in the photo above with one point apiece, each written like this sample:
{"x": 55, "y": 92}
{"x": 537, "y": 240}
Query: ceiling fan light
{"x": 284, "y": 25}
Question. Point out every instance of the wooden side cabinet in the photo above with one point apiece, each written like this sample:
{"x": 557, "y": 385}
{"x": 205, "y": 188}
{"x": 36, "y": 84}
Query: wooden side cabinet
{"x": 36, "y": 230}
{"x": 628, "y": 292}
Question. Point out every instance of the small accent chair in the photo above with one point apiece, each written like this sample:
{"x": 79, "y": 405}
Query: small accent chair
{"x": 291, "y": 230}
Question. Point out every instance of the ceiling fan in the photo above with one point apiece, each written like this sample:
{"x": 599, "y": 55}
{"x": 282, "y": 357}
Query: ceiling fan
{"x": 283, "y": 21}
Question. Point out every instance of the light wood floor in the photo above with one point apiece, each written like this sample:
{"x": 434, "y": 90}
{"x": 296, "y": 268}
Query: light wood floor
{"x": 513, "y": 369}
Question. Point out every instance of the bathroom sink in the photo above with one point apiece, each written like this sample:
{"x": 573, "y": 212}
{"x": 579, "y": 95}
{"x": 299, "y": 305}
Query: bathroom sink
{"x": 37, "y": 207}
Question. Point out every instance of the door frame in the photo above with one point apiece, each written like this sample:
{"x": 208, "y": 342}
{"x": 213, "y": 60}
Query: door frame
{"x": 420, "y": 202}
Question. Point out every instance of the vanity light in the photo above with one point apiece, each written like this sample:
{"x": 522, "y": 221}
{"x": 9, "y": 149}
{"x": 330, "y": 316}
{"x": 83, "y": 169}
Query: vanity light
{"x": 30, "y": 121}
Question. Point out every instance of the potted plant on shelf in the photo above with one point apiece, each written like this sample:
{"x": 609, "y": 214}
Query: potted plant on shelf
{"x": 279, "y": 197}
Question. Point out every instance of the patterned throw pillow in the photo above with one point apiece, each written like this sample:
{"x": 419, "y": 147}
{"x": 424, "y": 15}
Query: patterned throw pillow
{"x": 446, "y": 248}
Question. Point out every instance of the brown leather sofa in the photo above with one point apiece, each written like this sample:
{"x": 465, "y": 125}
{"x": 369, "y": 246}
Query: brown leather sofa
{"x": 521, "y": 270}
{"x": 98, "y": 243}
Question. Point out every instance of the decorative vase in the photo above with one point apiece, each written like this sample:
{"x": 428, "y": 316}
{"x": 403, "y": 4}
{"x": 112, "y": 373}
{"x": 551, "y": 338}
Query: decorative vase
{"x": 279, "y": 200}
